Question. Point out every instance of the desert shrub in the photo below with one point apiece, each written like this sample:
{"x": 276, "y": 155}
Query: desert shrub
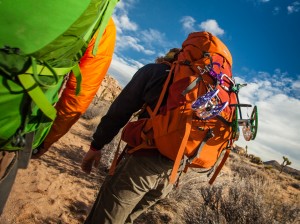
{"x": 243, "y": 201}
{"x": 297, "y": 177}
{"x": 153, "y": 217}
{"x": 95, "y": 110}
{"x": 268, "y": 167}
{"x": 243, "y": 204}
{"x": 165, "y": 211}
{"x": 245, "y": 171}
{"x": 296, "y": 185}
{"x": 208, "y": 211}
{"x": 256, "y": 160}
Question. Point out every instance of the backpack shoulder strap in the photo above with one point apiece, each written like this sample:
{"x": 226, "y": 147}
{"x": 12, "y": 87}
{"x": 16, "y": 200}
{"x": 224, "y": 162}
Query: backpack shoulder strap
{"x": 188, "y": 127}
{"x": 164, "y": 90}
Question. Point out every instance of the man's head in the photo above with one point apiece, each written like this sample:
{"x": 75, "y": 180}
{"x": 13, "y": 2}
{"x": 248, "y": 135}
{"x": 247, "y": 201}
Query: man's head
{"x": 170, "y": 57}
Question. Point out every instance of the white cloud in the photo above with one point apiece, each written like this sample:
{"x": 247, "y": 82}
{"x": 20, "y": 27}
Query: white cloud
{"x": 188, "y": 24}
{"x": 121, "y": 18}
{"x": 130, "y": 37}
{"x": 153, "y": 36}
{"x": 277, "y": 129}
{"x": 125, "y": 5}
{"x": 126, "y": 24}
{"x": 279, "y": 122}
{"x": 126, "y": 42}
{"x": 294, "y": 7}
{"x": 296, "y": 84}
{"x": 123, "y": 69}
{"x": 212, "y": 26}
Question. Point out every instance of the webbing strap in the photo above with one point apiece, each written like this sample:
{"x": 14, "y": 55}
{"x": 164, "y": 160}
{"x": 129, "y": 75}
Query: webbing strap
{"x": 101, "y": 29}
{"x": 212, "y": 179}
{"x": 144, "y": 145}
{"x": 37, "y": 95}
{"x": 208, "y": 135}
{"x": 188, "y": 127}
{"x": 43, "y": 70}
{"x": 104, "y": 21}
{"x": 163, "y": 92}
{"x": 77, "y": 73}
{"x": 115, "y": 160}
{"x": 191, "y": 86}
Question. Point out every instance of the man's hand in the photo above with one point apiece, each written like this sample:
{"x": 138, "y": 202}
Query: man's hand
{"x": 90, "y": 158}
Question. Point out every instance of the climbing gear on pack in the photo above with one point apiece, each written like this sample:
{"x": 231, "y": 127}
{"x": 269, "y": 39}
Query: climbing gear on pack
{"x": 207, "y": 107}
{"x": 249, "y": 125}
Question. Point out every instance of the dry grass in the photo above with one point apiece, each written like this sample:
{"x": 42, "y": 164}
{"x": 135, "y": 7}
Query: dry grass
{"x": 243, "y": 194}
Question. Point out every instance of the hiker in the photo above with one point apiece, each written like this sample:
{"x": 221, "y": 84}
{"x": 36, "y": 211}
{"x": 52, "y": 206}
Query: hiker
{"x": 120, "y": 197}
{"x": 197, "y": 75}
{"x": 33, "y": 66}
{"x": 70, "y": 107}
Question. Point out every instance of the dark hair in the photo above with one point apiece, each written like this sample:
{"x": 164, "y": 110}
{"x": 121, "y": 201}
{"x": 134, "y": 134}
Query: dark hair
{"x": 170, "y": 57}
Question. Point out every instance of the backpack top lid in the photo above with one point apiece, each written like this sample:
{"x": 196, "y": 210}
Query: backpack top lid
{"x": 30, "y": 25}
{"x": 204, "y": 42}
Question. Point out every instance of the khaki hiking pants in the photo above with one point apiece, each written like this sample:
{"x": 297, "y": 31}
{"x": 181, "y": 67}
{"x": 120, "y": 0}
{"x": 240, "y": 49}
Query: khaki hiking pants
{"x": 138, "y": 183}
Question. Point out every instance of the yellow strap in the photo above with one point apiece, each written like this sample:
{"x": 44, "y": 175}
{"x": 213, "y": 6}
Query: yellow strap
{"x": 37, "y": 95}
{"x": 43, "y": 70}
{"x": 77, "y": 73}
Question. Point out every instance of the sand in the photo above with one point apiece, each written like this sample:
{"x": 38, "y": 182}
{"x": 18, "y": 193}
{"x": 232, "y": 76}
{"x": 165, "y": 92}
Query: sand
{"x": 53, "y": 189}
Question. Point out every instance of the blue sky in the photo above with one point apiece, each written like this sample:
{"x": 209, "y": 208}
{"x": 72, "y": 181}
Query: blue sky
{"x": 263, "y": 37}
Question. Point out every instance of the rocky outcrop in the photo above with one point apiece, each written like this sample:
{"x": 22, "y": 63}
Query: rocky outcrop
{"x": 109, "y": 89}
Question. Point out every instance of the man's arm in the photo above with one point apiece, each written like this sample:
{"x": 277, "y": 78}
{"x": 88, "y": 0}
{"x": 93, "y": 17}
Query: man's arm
{"x": 130, "y": 100}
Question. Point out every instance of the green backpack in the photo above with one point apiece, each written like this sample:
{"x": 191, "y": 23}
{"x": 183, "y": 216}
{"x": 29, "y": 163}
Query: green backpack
{"x": 40, "y": 43}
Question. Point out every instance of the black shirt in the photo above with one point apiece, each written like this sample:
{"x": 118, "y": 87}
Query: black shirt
{"x": 144, "y": 87}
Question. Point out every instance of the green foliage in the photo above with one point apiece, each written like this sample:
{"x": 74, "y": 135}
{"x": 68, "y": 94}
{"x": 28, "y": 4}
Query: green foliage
{"x": 256, "y": 160}
{"x": 268, "y": 167}
{"x": 286, "y": 162}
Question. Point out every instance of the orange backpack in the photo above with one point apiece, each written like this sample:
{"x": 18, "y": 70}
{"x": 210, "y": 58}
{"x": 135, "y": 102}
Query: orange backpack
{"x": 173, "y": 128}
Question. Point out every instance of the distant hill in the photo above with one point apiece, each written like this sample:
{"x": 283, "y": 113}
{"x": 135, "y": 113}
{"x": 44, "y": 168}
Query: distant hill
{"x": 287, "y": 169}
